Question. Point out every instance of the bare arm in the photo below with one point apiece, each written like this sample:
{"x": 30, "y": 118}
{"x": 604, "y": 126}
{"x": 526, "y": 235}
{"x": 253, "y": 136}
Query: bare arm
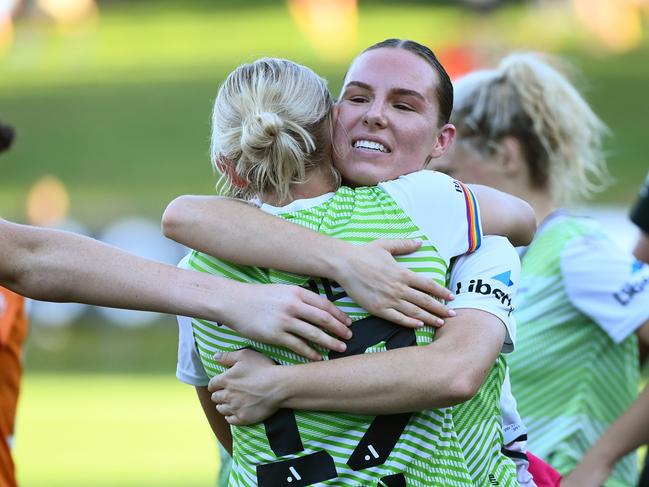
{"x": 234, "y": 230}
{"x": 505, "y": 215}
{"x": 628, "y": 432}
{"x": 219, "y": 425}
{"x": 59, "y": 266}
{"x": 447, "y": 372}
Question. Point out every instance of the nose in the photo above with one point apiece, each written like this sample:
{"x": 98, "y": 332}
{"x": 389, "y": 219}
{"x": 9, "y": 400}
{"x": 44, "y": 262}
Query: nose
{"x": 375, "y": 115}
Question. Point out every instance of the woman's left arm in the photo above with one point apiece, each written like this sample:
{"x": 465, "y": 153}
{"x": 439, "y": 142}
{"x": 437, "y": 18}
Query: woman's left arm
{"x": 219, "y": 425}
{"x": 505, "y": 215}
{"x": 236, "y": 231}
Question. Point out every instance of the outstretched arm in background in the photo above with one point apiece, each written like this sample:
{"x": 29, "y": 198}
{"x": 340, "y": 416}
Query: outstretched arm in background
{"x": 630, "y": 431}
{"x": 52, "y": 265}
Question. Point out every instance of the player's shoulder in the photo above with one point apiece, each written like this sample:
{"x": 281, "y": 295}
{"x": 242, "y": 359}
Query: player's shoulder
{"x": 424, "y": 184}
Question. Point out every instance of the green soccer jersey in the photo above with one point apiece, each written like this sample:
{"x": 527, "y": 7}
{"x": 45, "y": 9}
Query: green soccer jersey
{"x": 575, "y": 368}
{"x": 487, "y": 281}
{"x": 295, "y": 448}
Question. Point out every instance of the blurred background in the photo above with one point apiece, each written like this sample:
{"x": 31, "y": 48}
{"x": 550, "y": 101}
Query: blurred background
{"x": 111, "y": 104}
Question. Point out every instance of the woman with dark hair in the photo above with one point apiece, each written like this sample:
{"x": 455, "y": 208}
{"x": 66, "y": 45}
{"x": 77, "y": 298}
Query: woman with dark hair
{"x": 387, "y": 125}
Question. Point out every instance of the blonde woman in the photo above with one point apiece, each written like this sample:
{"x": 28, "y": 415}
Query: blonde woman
{"x": 243, "y": 150}
{"x": 523, "y": 128}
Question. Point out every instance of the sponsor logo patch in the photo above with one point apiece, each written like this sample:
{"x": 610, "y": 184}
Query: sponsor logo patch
{"x": 487, "y": 289}
{"x": 625, "y": 295}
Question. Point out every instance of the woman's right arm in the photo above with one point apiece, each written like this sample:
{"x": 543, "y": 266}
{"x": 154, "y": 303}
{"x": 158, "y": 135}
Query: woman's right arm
{"x": 628, "y": 432}
{"x": 236, "y": 231}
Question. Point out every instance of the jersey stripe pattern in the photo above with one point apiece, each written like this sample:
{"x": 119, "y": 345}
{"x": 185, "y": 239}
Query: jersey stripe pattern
{"x": 322, "y": 448}
{"x": 570, "y": 379}
{"x": 478, "y": 423}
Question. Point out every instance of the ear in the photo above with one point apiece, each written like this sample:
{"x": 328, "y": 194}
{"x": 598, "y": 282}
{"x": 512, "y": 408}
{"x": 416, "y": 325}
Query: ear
{"x": 227, "y": 168}
{"x": 444, "y": 139}
{"x": 334, "y": 112}
{"x": 510, "y": 156}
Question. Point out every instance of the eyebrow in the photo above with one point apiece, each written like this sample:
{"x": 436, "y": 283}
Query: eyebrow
{"x": 396, "y": 91}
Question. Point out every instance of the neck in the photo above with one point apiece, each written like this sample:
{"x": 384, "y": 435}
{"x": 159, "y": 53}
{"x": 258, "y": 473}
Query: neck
{"x": 319, "y": 181}
{"x": 541, "y": 203}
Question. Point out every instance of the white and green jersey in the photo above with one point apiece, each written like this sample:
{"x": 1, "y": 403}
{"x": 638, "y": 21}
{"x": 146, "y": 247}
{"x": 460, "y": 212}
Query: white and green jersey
{"x": 295, "y": 448}
{"x": 487, "y": 280}
{"x": 575, "y": 369}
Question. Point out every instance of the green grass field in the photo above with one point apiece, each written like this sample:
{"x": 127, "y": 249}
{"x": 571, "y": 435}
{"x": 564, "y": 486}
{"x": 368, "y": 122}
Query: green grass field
{"x": 109, "y": 430}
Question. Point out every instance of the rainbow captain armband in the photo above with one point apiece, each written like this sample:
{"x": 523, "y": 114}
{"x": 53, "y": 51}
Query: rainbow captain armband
{"x": 472, "y": 217}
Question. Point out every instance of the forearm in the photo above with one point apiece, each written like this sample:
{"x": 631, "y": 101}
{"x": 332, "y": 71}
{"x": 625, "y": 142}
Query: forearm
{"x": 59, "y": 266}
{"x": 444, "y": 373}
{"x": 390, "y": 382}
{"x": 628, "y": 432}
{"x": 519, "y": 226}
{"x": 220, "y": 427}
{"x": 221, "y": 226}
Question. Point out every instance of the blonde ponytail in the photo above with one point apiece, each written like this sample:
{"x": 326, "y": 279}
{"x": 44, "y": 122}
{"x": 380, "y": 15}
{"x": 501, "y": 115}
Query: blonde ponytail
{"x": 529, "y": 99}
{"x": 271, "y": 124}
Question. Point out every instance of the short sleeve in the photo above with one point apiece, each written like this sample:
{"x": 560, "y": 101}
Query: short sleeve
{"x": 488, "y": 280}
{"x": 606, "y": 284}
{"x": 189, "y": 368}
{"x": 640, "y": 211}
{"x": 444, "y": 209}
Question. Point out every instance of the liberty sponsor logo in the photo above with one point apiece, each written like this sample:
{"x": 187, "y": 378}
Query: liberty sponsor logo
{"x": 490, "y": 289}
{"x": 625, "y": 295}
{"x": 485, "y": 288}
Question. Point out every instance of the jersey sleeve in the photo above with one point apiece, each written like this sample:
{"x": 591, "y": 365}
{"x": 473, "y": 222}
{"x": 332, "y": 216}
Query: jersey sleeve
{"x": 189, "y": 368}
{"x": 488, "y": 280}
{"x": 640, "y": 211}
{"x": 444, "y": 209}
{"x": 606, "y": 284}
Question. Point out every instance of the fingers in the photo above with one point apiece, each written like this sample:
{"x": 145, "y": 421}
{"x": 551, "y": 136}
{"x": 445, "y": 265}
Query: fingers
{"x": 428, "y": 286}
{"x": 228, "y": 359}
{"x": 400, "y": 319}
{"x": 306, "y": 331}
{"x": 399, "y": 247}
{"x": 215, "y": 384}
{"x": 299, "y": 346}
{"x": 332, "y": 313}
{"x": 235, "y": 421}
{"x": 426, "y": 308}
{"x": 416, "y": 312}
{"x": 225, "y": 409}
{"x": 313, "y": 312}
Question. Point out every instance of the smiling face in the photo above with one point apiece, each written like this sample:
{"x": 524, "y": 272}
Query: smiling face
{"x": 386, "y": 118}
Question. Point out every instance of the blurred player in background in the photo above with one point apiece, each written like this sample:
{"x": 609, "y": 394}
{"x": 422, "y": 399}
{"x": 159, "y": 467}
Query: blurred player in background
{"x": 523, "y": 128}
